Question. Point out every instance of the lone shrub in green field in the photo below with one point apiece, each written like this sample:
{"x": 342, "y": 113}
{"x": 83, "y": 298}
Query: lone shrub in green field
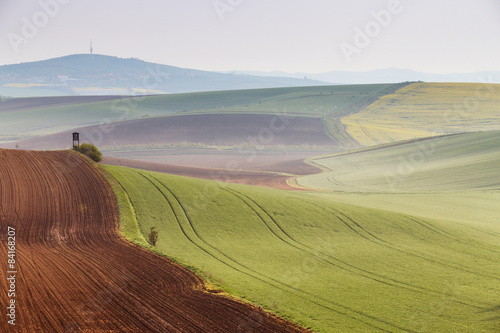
{"x": 153, "y": 236}
{"x": 89, "y": 150}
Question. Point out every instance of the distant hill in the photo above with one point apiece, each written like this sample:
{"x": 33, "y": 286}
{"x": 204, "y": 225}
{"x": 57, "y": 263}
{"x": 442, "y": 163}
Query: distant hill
{"x": 85, "y": 74}
{"x": 387, "y": 75}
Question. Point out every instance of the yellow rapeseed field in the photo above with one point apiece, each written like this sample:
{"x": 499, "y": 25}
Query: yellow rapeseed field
{"x": 426, "y": 109}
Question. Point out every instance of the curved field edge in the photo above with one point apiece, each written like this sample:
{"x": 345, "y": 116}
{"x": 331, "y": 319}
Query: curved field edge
{"x": 314, "y": 161}
{"x": 457, "y": 162}
{"x": 333, "y": 121}
{"x": 426, "y": 109}
{"x": 295, "y": 181}
{"x": 130, "y": 229}
{"x": 334, "y": 266}
{"x": 129, "y": 226}
{"x": 77, "y": 274}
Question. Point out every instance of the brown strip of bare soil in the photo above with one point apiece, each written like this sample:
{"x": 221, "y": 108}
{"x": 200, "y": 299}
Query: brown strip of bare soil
{"x": 76, "y": 274}
{"x": 290, "y": 162}
{"x": 256, "y": 178}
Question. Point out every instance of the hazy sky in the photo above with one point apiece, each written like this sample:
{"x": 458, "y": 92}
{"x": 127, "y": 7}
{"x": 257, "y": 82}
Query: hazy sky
{"x": 439, "y": 36}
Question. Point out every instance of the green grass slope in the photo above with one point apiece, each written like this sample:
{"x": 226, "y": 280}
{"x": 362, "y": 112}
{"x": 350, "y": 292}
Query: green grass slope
{"x": 332, "y": 266}
{"x": 450, "y": 163}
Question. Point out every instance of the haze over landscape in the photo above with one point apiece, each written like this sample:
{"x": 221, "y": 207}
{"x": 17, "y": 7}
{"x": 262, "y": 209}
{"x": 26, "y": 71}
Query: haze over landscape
{"x": 250, "y": 166}
{"x": 282, "y": 35}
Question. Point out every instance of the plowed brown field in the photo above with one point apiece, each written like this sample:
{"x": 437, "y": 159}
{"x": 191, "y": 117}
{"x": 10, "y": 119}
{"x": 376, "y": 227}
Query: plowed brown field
{"x": 76, "y": 274}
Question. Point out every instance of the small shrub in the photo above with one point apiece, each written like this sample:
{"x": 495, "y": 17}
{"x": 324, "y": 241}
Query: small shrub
{"x": 89, "y": 150}
{"x": 153, "y": 236}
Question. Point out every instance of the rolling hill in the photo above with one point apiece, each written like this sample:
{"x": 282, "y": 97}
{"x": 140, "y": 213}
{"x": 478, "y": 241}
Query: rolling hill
{"x": 458, "y": 162}
{"x": 74, "y": 272}
{"x": 426, "y": 109}
{"x": 198, "y": 131}
{"x": 364, "y": 254}
{"x": 86, "y": 74}
{"x": 326, "y": 264}
{"x": 353, "y": 116}
{"x": 400, "y": 237}
{"x": 327, "y": 102}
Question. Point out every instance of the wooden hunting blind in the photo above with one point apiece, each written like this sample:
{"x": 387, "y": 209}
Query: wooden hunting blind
{"x": 76, "y": 139}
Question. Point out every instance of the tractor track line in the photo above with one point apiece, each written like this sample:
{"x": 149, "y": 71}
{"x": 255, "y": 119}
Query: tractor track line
{"x": 409, "y": 286}
{"x": 422, "y": 256}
